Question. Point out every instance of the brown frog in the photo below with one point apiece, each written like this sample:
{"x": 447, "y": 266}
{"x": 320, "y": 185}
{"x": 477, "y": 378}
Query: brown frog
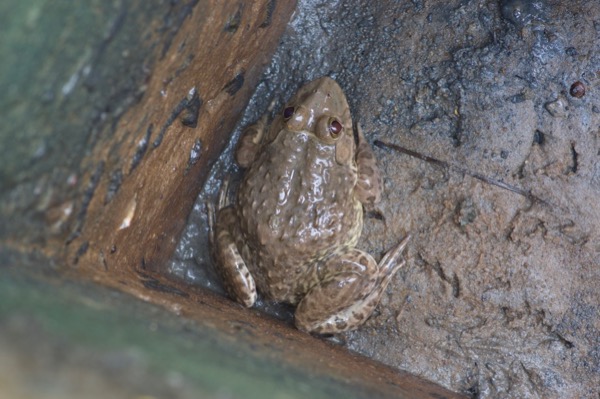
{"x": 298, "y": 215}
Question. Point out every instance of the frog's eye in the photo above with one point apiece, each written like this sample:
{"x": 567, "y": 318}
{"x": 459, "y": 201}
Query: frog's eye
{"x": 288, "y": 112}
{"x": 329, "y": 128}
{"x": 335, "y": 128}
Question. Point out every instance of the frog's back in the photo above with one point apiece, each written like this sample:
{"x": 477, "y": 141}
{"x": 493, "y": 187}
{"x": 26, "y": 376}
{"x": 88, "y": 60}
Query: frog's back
{"x": 296, "y": 205}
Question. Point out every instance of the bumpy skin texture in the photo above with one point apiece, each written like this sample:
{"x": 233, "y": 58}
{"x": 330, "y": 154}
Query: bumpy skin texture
{"x": 299, "y": 213}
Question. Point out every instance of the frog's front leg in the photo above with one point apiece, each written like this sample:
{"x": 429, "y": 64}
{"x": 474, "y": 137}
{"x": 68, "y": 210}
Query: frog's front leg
{"x": 350, "y": 286}
{"x": 250, "y": 143}
{"x": 230, "y": 264}
{"x": 369, "y": 184}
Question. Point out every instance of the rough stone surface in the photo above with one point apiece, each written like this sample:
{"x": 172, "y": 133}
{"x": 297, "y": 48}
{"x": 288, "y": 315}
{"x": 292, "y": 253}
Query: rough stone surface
{"x": 108, "y": 125}
{"x": 499, "y": 297}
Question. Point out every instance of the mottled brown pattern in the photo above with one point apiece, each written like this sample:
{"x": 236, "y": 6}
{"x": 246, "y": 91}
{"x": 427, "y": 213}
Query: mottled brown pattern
{"x": 233, "y": 266}
{"x": 369, "y": 184}
{"x": 299, "y": 214}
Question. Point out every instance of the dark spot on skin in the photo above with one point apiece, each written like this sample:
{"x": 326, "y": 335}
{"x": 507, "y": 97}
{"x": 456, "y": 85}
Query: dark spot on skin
{"x": 141, "y": 148}
{"x": 577, "y": 90}
{"x": 340, "y": 325}
{"x": 363, "y": 260}
{"x": 235, "y": 84}
{"x": 358, "y": 316}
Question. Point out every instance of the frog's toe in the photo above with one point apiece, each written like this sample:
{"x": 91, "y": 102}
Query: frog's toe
{"x": 391, "y": 262}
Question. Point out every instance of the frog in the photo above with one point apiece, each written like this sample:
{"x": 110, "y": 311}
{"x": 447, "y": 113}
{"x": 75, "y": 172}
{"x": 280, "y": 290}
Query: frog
{"x": 291, "y": 231}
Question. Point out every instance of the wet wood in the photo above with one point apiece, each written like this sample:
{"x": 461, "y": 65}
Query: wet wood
{"x": 266, "y": 337}
{"x": 144, "y": 178}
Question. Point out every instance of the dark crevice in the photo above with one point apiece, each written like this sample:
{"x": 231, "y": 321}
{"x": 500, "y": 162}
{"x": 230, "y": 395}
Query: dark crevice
{"x": 234, "y": 85}
{"x": 156, "y": 285}
{"x": 174, "y": 114}
{"x": 446, "y": 165}
{"x": 141, "y": 148}
{"x": 574, "y": 157}
{"x": 269, "y": 17}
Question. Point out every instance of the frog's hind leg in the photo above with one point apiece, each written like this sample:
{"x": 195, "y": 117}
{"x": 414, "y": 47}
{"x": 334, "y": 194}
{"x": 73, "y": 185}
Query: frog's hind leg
{"x": 351, "y": 284}
{"x": 369, "y": 185}
{"x": 229, "y": 263}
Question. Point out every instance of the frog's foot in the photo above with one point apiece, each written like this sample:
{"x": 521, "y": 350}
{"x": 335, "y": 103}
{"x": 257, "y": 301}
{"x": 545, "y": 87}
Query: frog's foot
{"x": 237, "y": 279}
{"x": 250, "y": 142}
{"x": 350, "y": 287}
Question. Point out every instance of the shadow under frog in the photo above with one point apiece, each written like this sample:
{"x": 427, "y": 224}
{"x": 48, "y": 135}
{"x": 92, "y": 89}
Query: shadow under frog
{"x": 298, "y": 215}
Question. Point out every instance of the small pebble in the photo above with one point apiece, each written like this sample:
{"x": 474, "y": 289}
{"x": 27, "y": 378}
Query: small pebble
{"x": 577, "y": 90}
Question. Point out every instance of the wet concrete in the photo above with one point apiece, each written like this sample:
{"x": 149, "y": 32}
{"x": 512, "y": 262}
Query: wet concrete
{"x": 491, "y": 163}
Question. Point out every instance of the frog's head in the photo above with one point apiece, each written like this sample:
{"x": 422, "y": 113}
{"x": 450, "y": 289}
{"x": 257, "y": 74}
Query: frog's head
{"x": 320, "y": 107}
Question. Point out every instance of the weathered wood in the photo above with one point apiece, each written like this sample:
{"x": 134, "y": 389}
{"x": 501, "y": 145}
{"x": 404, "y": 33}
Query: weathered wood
{"x": 260, "y": 337}
{"x": 143, "y": 179}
